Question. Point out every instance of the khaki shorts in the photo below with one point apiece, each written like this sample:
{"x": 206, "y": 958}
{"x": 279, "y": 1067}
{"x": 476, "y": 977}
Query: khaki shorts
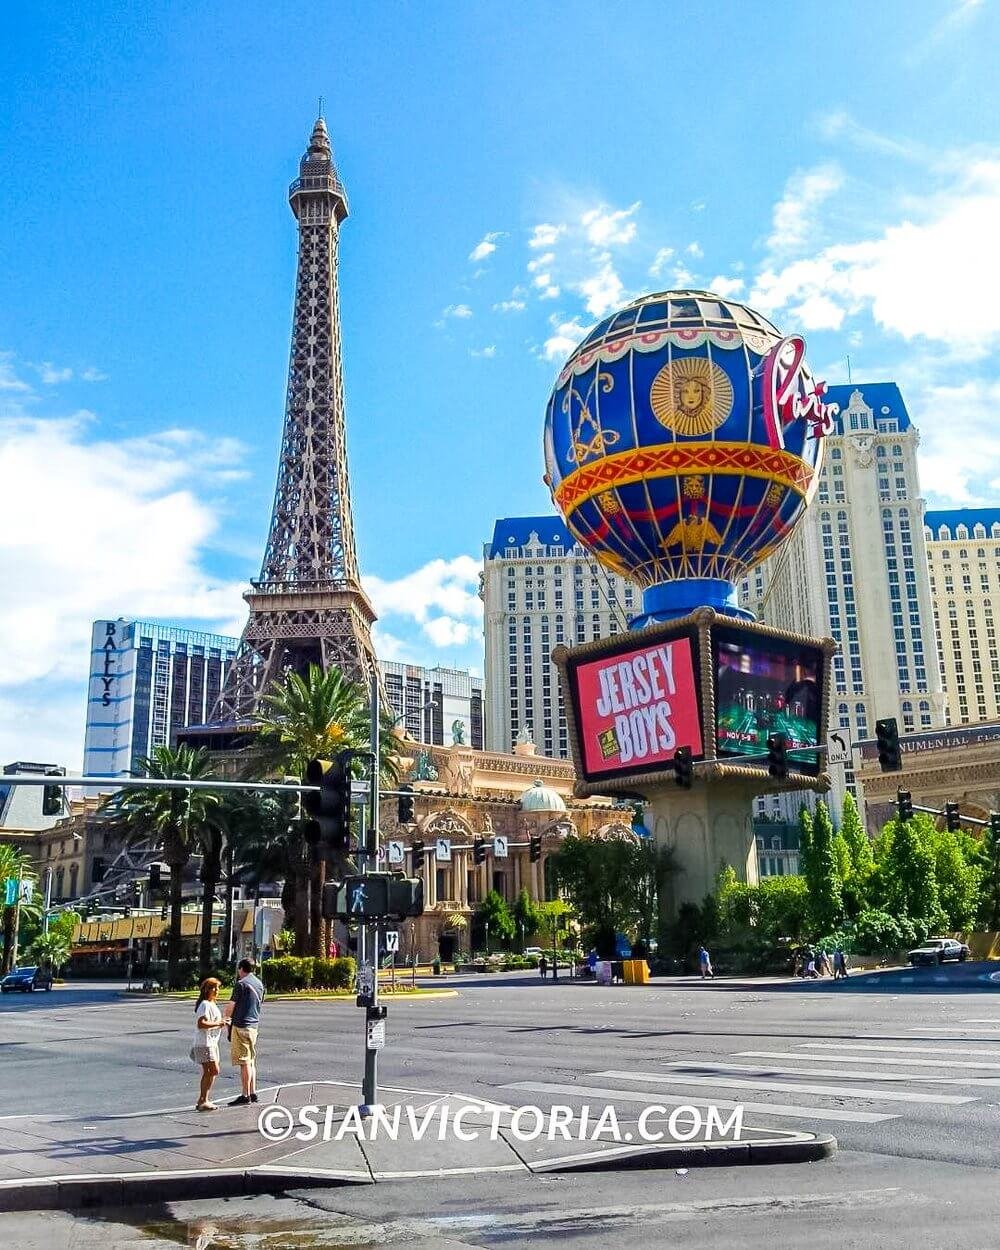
{"x": 243, "y": 1046}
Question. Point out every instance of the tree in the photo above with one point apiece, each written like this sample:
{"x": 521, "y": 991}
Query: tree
{"x": 316, "y": 717}
{"x": 907, "y": 880}
{"x": 989, "y": 903}
{"x": 528, "y": 917}
{"x": 822, "y": 876}
{"x": 182, "y": 822}
{"x": 783, "y": 910}
{"x": 16, "y": 865}
{"x": 51, "y": 948}
{"x": 958, "y": 881}
{"x": 492, "y": 922}
{"x": 263, "y": 842}
{"x": 858, "y": 843}
{"x": 805, "y": 839}
{"x": 613, "y": 884}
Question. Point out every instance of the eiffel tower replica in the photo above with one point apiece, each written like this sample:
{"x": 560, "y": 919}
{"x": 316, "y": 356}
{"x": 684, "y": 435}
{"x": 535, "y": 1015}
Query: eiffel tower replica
{"x": 307, "y": 606}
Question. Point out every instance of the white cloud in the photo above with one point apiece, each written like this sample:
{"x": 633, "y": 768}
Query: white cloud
{"x": 728, "y": 288}
{"x": 510, "y": 305}
{"x": 92, "y": 374}
{"x": 9, "y": 380}
{"x": 958, "y": 468}
{"x": 460, "y": 311}
{"x": 602, "y": 291}
{"x": 441, "y": 596}
{"x": 660, "y": 260}
{"x": 694, "y": 249}
{"x": 92, "y": 528}
{"x": 549, "y": 289}
{"x": 604, "y": 226}
{"x": 541, "y": 262}
{"x": 931, "y": 278}
{"x": 488, "y": 352}
{"x": 566, "y": 335}
{"x": 698, "y": 206}
{"x": 793, "y": 220}
{"x": 683, "y": 277}
{"x": 52, "y": 375}
{"x": 545, "y": 235}
{"x": 486, "y": 246}
{"x": 445, "y": 632}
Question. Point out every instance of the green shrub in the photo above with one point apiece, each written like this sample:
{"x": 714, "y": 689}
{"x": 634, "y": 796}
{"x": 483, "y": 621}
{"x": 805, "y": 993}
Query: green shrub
{"x": 334, "y": 974}
{"x": 291, "y": 972}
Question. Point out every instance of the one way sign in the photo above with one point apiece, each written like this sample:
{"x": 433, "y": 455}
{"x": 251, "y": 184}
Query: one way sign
{"x": 838, "y": 747}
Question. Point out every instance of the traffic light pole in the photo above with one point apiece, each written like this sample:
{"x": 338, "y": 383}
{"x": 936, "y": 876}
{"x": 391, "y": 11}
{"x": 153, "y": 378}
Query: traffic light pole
{"x": 369, "y": 932}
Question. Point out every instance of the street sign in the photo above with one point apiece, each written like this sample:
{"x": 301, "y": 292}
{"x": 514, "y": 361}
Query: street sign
{"x": 397, "y": 852}
{"x": 366, "y": 979}
{"x": 10, "y": 892}
{"x": 442, "y": 850}
{"x": 839, "y": 747}
{"x": 376, "y": 1034}
{"x": 500, "y": 847}
{"x": 392, "y": 941}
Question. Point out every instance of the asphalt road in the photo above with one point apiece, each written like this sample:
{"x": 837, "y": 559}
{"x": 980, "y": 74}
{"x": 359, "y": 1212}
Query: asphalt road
{"x": 903, "y": 1067}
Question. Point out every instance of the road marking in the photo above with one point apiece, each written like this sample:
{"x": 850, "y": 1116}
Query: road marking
{"x": 786, "y": 1087}
{"x": 991, "y": 1020}
{"x": 906, "y": 1050}
{"x": 949, "y": 1028}
{"x": 782, "y": 1070}
{"x": 839, "y": 1057}
{"x": 646, "y": 1097}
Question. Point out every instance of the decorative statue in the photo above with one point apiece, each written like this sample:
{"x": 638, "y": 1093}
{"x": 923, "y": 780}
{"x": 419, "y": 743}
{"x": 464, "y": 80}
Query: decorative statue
{"x": 424, "y": 769}
{"x": 457, "y": 733}
{"x": 523, "y": 736}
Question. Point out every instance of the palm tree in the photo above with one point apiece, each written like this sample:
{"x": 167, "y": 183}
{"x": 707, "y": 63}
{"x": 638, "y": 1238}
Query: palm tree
{"x": 263, "y": 842}
{"x": 52, "y": 948}
{"x": 315, "y": 717}
{"x": 15, "y": 865}
{"x": 182, "y": 821}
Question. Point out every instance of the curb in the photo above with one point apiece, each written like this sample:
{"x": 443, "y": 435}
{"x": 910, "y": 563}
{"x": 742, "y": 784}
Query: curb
{"x": 78, "y": 1193}
{"x": 714, "y": 1154}
{"x": 350, "y": 999}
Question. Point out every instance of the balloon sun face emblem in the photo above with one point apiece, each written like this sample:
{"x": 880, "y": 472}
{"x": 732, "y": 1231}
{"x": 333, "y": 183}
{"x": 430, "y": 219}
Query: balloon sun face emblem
{"x": 691, "y": 396}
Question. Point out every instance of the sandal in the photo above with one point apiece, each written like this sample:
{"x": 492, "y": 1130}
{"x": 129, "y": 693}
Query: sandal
{"x": 206, "y": 1106}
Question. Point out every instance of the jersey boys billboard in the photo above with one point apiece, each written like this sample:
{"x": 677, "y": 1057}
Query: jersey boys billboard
{"x": 636, "y": 707}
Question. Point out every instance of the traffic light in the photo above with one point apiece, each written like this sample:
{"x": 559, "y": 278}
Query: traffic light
{"x": 535, "y": 847}
{"x": 952, "y": 819}
{"x": 163, "y": 912}
{"x": 155, "y": 878}
{"x": 52, "y": 801}
{"x": 479, "y": 850}
{"x": 777, "y": 757}
{"x": 887, "y": 736}
{"x": 995, "y": 826}
{"x": 404, "y": 806}
{"x": 904, "y": 805}
{"x": 683, "y": 767}
{"x": 329, "y": 809}
{"x": 375, "y": 896}
{"x": 417, "y": 847}
{"x": 127, "y": 912}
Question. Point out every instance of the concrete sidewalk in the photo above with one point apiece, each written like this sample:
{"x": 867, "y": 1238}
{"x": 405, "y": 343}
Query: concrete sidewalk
{"x": 171, "y": 1153}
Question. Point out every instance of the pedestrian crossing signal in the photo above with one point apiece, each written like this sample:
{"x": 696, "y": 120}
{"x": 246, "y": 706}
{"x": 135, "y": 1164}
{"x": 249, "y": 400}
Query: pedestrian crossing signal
{"x": 952, "y": 817}
{"x": 777, "y": 757}
{"x": 904, "y": 804}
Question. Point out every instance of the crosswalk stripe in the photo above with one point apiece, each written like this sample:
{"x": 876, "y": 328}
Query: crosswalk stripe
{"x": 784, "y": 1070}
{"x": 949, "y": 1028}
{"x": 906, "y": 1050}
{"x": 992, "y": 1020}
{"x": 786, "y": 1087}
{"x": 764, "y": 1108}
{"x": 837, "y": 1056}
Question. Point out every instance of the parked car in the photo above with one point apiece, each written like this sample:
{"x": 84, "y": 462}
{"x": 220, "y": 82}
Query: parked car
{"x": 937, "y": 950}
{"x": 26, "y": 980}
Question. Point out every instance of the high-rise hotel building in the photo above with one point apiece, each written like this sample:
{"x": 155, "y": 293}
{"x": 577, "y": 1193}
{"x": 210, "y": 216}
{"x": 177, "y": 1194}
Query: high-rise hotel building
{"x": 540, "y": 588}
{"x": 431, "y": 703}
{"x": 963, "y": 547}
{"x": 147, "y": 681}
{"x": 856, "y": 570}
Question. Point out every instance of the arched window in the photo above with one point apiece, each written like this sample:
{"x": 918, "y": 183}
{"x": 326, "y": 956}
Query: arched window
{"x": 979, "y": 530}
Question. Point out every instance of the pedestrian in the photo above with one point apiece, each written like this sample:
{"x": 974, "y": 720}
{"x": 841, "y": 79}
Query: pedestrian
{"x": 208, "y": 1022}
{"x": 705, "y": 964}
{"x": 822, "y": 964}
{"x": 839, "y": 965}
{"x": 543, "y": 966}
{"x": 811, "y": 973}
{"x": 244, "y": 1020}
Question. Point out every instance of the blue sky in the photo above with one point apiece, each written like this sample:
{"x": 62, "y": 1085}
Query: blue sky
{"x": 514, "y": 174}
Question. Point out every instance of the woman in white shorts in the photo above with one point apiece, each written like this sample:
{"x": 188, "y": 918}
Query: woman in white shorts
{"x": 205, "y": 1051}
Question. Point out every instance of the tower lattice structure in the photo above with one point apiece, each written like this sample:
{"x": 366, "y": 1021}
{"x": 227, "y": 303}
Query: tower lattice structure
{"x": 308, "y": 605}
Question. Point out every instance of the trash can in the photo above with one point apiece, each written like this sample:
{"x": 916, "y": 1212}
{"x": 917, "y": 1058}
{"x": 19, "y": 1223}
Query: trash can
{"x": 635, "y": 972}
{"x": 602, "y": 970}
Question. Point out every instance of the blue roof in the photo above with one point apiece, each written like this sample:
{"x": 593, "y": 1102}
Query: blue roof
{"x": 883, "y": 398}
{"x": 515, "y": 531}
{"x": 953, "y": 517}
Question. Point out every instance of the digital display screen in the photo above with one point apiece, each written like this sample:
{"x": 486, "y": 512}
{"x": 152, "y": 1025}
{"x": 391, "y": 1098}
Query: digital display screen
{"x": 636, "y": 707}
{"x": 766, "y": 686}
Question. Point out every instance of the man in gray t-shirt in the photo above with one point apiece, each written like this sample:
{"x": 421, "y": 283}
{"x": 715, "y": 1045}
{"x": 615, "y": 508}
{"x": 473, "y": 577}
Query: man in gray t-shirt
{"x": 244, "y": 1017}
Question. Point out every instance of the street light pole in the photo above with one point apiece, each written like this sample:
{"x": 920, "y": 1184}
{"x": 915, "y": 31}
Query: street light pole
{"x": 370, "y": 932}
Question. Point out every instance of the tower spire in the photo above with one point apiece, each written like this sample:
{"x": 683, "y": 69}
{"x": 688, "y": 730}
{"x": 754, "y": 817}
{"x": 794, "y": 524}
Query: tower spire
{"x": 308, "y": 605}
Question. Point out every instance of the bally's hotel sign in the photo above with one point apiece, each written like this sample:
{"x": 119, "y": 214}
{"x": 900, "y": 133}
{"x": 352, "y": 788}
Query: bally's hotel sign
{"x": 108, "y": 746}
